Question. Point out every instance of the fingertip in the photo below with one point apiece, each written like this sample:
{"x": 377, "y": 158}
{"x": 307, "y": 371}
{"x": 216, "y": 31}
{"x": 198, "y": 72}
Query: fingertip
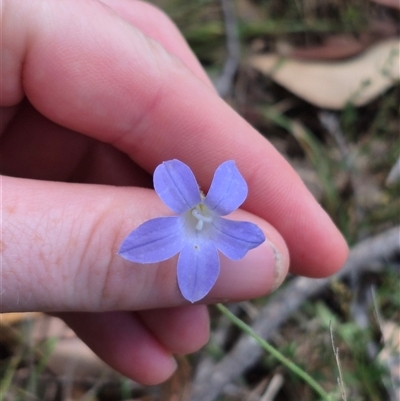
{"x": 327, "y": 261}
{"x": 323, "y": 250}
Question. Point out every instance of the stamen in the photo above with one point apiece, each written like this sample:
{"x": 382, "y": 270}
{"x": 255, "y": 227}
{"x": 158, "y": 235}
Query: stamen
{"x": 197, "y": 213}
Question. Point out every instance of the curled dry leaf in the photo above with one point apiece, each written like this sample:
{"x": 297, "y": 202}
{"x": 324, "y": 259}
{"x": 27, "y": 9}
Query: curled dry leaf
{"x": 333, "y": 85}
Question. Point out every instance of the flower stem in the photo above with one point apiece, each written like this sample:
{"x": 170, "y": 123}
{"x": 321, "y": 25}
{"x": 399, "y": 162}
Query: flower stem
{"x": 275, "y": 353}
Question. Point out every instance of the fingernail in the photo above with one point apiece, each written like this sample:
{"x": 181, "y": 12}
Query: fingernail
{"x": 280, "y": 270}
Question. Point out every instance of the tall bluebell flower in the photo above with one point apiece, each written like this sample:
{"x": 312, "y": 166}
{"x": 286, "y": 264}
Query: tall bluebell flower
{"x": 198, "y": 231}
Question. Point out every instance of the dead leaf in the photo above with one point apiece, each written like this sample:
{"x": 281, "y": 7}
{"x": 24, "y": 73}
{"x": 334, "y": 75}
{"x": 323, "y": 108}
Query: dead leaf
{"x": 344, "y": 45}
{"x": 388, "y": 3}
{"x": 394, "y": 174}
{"x": 73, "y": 358}
{"x": 333, "y": 85}
{"x": 70, "y": 356}
{"x": 12, "y": 318}
{"x": 334, "y": 47}
{"x": 390, "y": 354}
{"x": 177, "y": 388}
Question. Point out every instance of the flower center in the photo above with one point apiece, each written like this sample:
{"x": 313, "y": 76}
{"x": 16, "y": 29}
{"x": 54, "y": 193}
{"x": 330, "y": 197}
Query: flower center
{"x": 199, "y": 212}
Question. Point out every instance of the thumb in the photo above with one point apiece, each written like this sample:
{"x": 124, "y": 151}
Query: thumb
{"x": 60, "y": 243}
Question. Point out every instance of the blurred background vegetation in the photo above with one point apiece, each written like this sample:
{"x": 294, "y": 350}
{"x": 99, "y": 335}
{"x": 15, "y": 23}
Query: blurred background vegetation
{"x": 346, "y": 154}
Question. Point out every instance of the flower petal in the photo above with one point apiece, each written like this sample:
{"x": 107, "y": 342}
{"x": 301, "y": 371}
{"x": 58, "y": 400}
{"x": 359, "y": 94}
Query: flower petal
{"x": 235, "y": 238}
{"x": 154, "y": 241}
{"x": 176, "y": 185}
{"x": 228, "y": 189}
{"x": 198, "y": 269}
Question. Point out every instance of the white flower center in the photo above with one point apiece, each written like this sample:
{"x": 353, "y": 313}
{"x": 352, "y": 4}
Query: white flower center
{"x": 200, "y": 213}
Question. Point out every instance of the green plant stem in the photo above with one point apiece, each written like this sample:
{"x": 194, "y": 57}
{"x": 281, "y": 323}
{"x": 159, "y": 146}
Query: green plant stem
{"x": 275, "y": 353}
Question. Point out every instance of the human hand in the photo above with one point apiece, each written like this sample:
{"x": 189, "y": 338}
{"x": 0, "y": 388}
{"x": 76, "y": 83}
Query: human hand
{"x": 90, "y": 105}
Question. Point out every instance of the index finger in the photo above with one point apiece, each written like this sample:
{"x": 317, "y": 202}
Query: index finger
{"x": 90, "y": 70}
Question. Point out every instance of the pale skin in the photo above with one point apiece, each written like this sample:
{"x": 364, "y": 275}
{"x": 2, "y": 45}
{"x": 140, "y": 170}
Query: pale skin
{"x": 99, "y": 93}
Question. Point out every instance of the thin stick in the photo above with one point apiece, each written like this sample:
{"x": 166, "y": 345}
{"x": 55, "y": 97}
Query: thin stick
{"x": 336, "y": 353}
{"x": 275, "y": 353}
{"x": 273, "y": 387}
{"x": 224, "y": 82}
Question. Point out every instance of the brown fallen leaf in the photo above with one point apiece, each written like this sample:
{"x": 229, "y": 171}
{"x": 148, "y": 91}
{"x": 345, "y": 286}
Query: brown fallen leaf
{"x": 388, "y": 3}
{"x": 390, "y": 354}
{"x": 334, "y": 47}
{"x": 70, "y": 356}
{"x": 394, "y": 174}
{"x": 12, "y": 318}
{"x": 332, "y": 85}
{"x": 345, "y": 45}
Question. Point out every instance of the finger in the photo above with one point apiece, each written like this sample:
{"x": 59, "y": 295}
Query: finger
{"x": 60, "y": 244}
{"x": 35, "y": 147}
{"x": 121, "y": 340}
{"x": 156, "y": 25}
{"x": 7, "y": 114}
{"x": 155, "y": 99}
{"x": 182, "y": 330}
{"x": 32, "y": 147}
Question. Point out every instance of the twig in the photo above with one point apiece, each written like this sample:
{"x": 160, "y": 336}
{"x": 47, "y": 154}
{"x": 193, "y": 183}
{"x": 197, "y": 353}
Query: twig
{"x": 224, "y": 82}
{"x": 273, "y": 387}
{"x": 275, "y": 353}
{"x": 367, "y": 255}
{"x": 394, "y": 174}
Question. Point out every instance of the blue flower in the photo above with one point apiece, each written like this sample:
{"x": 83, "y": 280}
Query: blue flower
{"x": 198, "y": 231}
